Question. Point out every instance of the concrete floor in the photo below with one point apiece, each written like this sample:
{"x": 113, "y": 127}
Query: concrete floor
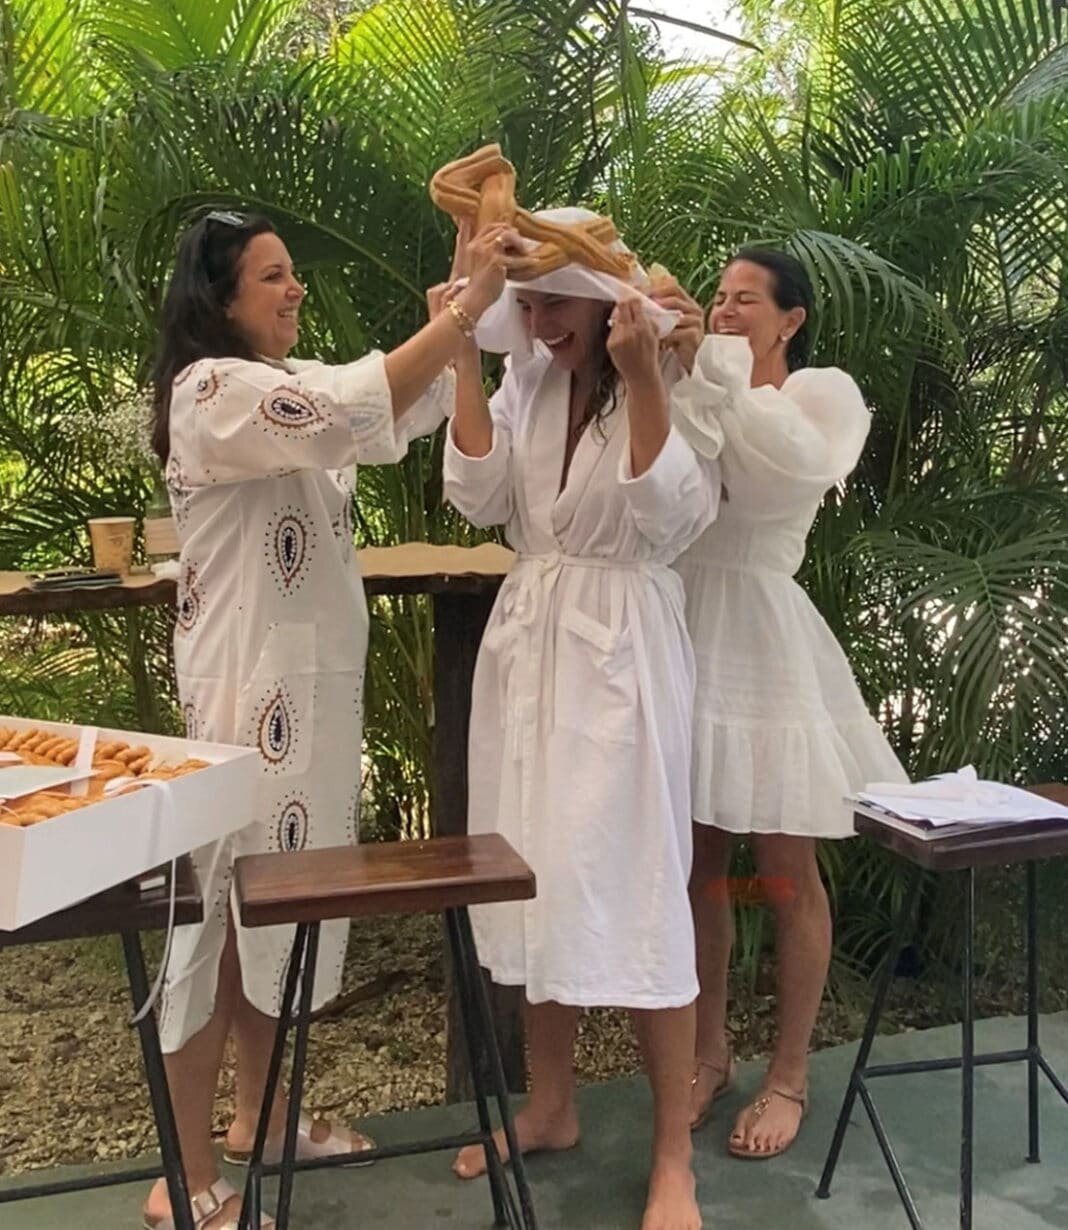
{"x": 600, "y": 1185}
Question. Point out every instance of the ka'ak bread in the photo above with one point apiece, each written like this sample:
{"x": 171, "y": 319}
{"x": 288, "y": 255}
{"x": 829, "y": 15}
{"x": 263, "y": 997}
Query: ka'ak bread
{"x": 481, "y": 187}
{"x": 111, "y": 760}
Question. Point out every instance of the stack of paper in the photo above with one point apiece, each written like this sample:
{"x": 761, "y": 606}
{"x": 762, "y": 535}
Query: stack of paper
{"x": 959, "y": 798}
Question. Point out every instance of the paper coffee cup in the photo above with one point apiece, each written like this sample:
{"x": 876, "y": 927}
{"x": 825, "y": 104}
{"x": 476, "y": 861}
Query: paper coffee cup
{"x": 112, "y": 539}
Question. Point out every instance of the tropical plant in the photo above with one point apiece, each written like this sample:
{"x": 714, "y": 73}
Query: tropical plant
{"x": 911, "y": 152}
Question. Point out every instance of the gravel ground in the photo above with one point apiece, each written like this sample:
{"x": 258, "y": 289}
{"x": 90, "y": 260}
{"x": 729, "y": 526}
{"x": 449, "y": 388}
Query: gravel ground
{"x": 71, "y": 1087}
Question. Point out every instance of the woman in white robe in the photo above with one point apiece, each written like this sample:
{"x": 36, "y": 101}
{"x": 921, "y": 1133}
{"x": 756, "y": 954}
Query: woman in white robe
{"x": 271, "y": 631}
{"x": 781, "y": 731}
{"x": 581, "y": 709}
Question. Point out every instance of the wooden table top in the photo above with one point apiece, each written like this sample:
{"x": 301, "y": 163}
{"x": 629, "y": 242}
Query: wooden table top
{"x": 984, "y": 846}
{"x": 397, "y": 877}
{"x": 410, "y": 568}
{"x": 122, "y": 908}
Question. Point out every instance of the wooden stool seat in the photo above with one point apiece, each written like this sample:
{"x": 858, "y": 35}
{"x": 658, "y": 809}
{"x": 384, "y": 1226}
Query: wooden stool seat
{"x": 992, "y": 845}
{"x": 443, "y": 875}
{"x": 400, "y": 877}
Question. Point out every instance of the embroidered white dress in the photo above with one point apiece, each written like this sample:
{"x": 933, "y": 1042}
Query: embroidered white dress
{"x": 582, "y": 697}
{"x": 781, "y": 731}
{"x": 272, "y": 626}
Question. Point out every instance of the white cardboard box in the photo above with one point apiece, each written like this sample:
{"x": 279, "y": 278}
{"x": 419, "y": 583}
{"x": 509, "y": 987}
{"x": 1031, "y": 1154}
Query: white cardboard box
{"x": 48, "y": 866}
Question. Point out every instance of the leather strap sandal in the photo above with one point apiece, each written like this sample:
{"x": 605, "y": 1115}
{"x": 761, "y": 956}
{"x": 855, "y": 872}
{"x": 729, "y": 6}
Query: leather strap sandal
{"x": 723, "y": 1086}
{"x": 340, "y": 1140}
{"x": 756, "y": 1109}
{"x": 205, "y": 1205}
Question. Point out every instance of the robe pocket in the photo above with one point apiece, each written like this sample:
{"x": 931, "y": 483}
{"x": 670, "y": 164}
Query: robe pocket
{"x": 276, "y": 704}
{"x": 596, "y": 684}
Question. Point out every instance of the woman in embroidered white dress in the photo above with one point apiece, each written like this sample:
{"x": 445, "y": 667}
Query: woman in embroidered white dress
{"x": 581, "y": 708}
{"x": 781, "y": 732}
{"x": 272, "y": 627}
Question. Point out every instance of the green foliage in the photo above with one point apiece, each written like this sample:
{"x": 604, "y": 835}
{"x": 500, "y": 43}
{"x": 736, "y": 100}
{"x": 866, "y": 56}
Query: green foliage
{"x": 911, "y": 153}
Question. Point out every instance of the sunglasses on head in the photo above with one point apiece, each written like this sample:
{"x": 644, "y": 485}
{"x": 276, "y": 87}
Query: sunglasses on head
{"x": 227, "y": 217}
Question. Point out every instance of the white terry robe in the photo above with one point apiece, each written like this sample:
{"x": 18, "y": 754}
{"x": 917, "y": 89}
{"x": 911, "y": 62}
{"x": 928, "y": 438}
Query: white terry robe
{"x": 582, "y": 697}
{"x": 271, "y": 635}
{"x": 781, "y": 731}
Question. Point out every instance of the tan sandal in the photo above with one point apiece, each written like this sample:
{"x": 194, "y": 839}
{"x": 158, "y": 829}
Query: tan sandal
{"x": 207, "y": 1204}
{"x": 343, "y": 1140}
{"x": 723, "y": 1087}
{"x": 756, "y": 1109}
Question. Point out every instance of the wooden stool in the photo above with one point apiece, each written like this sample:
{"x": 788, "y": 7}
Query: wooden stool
{"x": 982, "y": 846}
{"x": 127, "y": 911}
{"x": 442, "y": 875}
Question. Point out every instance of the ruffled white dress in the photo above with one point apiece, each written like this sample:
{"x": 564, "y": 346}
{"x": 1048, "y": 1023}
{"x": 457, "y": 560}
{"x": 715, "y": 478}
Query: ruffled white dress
{"x": 781, "y": 731}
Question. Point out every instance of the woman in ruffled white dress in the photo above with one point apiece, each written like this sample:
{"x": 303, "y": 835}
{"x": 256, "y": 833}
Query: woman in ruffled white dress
{"x": 781, "y": 732}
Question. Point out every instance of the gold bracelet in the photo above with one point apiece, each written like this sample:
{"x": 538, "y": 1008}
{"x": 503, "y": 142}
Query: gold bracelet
{"x": 463, "y": 322}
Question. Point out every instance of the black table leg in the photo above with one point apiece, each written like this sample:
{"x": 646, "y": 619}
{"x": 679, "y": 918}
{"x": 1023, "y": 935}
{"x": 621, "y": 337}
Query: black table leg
{"x": 1032, "y": 1014}
{"x": 158, "y": 1089}
{"x": 484, "y": 1016}
{"x": 856, "y": 1078}
{"x": 252, "y": 1205}
{"x": 296, "y": 1084}
{"x": 464, "y": 974}
{"x": 967, "y": 1055}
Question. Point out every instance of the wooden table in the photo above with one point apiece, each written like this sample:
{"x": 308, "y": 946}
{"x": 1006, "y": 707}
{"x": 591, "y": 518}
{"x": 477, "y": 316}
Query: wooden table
{"x": 127, "y": 912}
{"x": 990, "y": 845}
{"x": 462, "y": 583}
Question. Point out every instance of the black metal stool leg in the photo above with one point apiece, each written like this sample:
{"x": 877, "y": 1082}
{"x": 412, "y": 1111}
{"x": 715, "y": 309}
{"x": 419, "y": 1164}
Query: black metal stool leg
{"x": 252, "y": 1206}
{"x": 1032, "y": 1015}
{"x": 1053, "y": 1078}
{"x": 296, "y": 1084}
{"x": 856, "y": 1077}
{"x": 967, "y": 1055}
{"x": 465, "y": 973}
{"x": 496, "y": 1067}
{"x": 890, "y": 1157}
{"x": 158, "y": 1089}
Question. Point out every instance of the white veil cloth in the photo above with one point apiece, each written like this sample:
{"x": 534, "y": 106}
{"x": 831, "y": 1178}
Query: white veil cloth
{"x": 502, "y": 328}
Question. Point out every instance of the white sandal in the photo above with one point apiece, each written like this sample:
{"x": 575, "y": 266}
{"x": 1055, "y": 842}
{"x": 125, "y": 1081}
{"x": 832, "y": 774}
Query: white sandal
{"x": 338, "y": 1142}
{"x": 205, "y": 1206}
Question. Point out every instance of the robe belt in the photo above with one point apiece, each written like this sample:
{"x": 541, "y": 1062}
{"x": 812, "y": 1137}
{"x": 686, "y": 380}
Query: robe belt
{"x": 525, "y": 641}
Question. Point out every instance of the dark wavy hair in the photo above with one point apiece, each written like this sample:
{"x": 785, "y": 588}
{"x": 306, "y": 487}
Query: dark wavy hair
{"x": 604, "y": 396}
{"x": 792, "y": 288}
{"x": 194, "y": 321}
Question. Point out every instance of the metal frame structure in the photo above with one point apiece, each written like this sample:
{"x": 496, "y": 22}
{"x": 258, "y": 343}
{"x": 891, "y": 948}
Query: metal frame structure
{"x": 511, "y": 1208}
{"x": 966, "y": 1062}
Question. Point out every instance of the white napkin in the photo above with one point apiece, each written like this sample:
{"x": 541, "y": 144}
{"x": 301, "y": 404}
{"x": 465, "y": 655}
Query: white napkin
{"x": 960, "y": 798}
{"x": 24, "y": 779}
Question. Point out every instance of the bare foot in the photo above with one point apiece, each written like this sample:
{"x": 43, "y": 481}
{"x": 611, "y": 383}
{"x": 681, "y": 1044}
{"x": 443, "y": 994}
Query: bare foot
{"x": 672, "y": 1202}
{"x": 769, "y": 1125}
{"x": 533, "y": 1132}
